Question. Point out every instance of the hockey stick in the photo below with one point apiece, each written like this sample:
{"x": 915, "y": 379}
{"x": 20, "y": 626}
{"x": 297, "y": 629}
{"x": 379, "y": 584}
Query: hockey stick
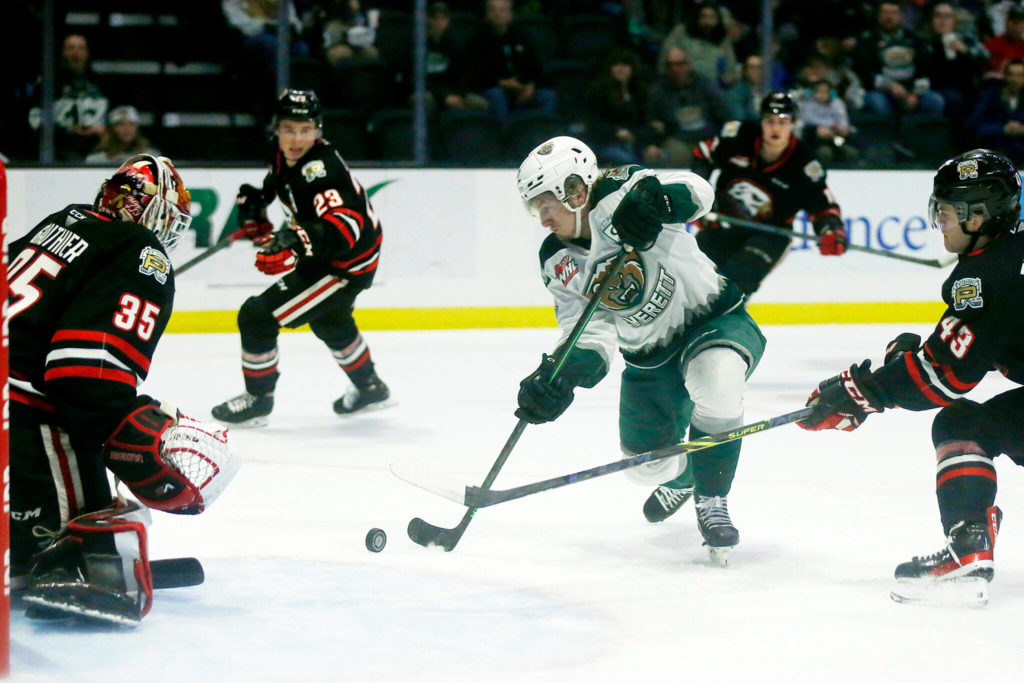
{"x": 176, "y": 572}
{"x": 223, "y": 243}
{"x": 476, "y": 497}
{"x": 426, "y": 534}
{"x": 792, "y": 234}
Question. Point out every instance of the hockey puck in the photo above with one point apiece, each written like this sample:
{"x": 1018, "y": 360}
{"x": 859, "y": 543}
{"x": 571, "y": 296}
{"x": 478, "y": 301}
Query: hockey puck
{"x": 376, "y": 539}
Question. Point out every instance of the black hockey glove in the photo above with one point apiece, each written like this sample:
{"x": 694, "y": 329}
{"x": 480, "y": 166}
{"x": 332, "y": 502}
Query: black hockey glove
{"x": 540, "y": 399}
{"x": 844, "y": 401}
{"x": 252, "y": 213}
{"x": 640, "y": 215}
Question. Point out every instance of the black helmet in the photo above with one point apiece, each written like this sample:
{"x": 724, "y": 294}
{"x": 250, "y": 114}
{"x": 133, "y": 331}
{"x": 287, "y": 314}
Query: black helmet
{"x": 779, "y": 103}
{"x": 298, "y": 105}
{"x": 980, "y": 182}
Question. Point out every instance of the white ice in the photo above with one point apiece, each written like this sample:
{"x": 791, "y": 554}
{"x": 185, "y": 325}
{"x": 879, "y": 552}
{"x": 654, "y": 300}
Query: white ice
{"x": 566, "y": 585}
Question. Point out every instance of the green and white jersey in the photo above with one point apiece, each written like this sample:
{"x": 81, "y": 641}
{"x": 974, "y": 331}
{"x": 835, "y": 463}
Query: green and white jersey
{"x": 658, "y": 293}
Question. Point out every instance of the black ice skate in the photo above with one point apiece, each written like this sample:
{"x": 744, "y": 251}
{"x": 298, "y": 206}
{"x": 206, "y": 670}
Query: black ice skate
{"x": 373, "y": 396}
{"x": 245, "y": 410}
{"x": 967, "y": 561}
{"x": 63, "y": 592}
{"x": 664, "y": 502}
{"x": 716, "y": 527}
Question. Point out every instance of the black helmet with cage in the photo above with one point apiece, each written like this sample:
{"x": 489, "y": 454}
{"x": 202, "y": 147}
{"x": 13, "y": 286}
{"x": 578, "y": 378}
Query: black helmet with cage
{"x": 982, "y": 183}
{"x": 778, "y": 103}
{"x": 298, "y": 105}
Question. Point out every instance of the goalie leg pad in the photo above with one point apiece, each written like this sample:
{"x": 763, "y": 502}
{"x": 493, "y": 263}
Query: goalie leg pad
{"x": 97, "y": 568}
{"x": 175, "y": 465}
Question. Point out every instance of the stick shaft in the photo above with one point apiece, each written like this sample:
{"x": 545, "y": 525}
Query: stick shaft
{"x": 792, "y": 234}
{"x": 482, "y": 497}
{"x": 224, "y": 243}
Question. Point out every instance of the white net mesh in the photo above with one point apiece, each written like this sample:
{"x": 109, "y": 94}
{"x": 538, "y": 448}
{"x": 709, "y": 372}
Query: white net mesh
{"x": 201, "y": 452}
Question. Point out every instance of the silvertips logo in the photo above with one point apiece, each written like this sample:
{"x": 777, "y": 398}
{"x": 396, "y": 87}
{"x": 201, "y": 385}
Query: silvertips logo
{"x": 546, "y": 148}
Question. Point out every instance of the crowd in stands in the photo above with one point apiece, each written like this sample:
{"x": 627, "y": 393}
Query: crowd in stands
{"x": 878, "y": 82}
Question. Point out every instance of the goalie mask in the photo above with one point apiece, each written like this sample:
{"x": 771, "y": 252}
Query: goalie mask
{"x": 978, "y": 183}
{"x": 559, "y": 166}
{"x": 148, "y": 190}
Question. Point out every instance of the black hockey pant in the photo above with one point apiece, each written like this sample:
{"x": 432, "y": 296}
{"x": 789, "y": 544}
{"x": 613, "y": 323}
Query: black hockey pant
{"x": 744, "y": 256}
{"x": 323, "y": 300}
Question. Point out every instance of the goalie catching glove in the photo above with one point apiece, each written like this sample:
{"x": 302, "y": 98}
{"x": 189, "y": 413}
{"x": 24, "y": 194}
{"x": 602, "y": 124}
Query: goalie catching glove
{"x": 252, "y": 214}
{"x": 177, "y": 465}
{"x": 844, "y": 401}
{"x": 640, "y": 215}
{"x": 280, "y": 252}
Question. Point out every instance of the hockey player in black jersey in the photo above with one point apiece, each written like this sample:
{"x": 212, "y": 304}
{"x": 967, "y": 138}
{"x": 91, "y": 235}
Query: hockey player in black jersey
{"x": 976, "y": 204}
{"x": 330, "y": 253}
{"x": 90, "y": 293}
{"x": 766, "y": 175}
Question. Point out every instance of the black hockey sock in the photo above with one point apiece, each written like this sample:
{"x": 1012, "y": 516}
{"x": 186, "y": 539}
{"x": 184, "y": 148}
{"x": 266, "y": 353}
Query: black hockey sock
{"x": 965, "y": 483}
{"x": 715, "y": 467}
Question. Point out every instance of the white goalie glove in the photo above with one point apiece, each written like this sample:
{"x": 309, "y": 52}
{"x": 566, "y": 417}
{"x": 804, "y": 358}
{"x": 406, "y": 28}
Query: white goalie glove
{"x": 178, "y": 465}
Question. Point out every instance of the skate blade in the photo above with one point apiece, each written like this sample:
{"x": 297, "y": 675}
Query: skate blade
{"x": 719, "y": 556}
{"x": 251, "y": 423}
{"x": 56, "y": 609}
{"x": 379, "y": 405}
{"x": 971, "y": 591}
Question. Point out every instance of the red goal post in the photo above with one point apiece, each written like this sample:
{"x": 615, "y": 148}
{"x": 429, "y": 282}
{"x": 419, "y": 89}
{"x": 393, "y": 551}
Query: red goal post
{"x": 5, "y": 511}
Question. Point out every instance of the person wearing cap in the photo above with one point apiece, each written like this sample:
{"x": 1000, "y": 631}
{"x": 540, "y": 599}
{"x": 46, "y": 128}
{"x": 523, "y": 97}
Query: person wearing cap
{"x": 121, "y": 139}
{"x": 767, "y": 175}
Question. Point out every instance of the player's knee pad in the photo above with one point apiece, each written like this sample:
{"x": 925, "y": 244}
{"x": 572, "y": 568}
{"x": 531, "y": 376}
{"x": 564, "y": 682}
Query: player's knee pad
{"x": 657, "y": 472}
{"x": 716, "y": 380}
{"x": 256, "y": 320}
{"x": 962, "y": 420}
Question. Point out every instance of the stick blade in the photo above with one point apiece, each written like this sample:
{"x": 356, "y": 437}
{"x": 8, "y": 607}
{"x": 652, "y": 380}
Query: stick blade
{"x": 413, "y": 471}
{"x": 427, "y": 535}
{"x": 178, "y": 572}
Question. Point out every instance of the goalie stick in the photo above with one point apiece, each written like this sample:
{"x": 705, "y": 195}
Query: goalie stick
{"x": 774, "y": 230}
{"x": 426, "y": 534}
{"x": 476, "y": 497}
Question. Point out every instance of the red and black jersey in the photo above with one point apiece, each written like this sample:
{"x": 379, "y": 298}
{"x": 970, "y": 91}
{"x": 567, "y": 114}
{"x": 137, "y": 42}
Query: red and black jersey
{"x": 981, "y": 330}
{"x": 89, "y": 298}
{"x": 772, "y": 193}
{"x": 321, "y": 194}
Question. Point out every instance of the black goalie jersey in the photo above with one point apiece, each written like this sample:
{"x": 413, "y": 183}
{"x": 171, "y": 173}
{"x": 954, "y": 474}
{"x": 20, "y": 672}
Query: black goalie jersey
{"x": 89, "y": 298}
{"x": 981, "y": 330}
{"x": 321, "y": 194}
{"x": 772, "y": 193}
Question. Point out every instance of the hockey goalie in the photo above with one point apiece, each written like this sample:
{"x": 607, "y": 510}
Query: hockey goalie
{"x": 91, "y": 291}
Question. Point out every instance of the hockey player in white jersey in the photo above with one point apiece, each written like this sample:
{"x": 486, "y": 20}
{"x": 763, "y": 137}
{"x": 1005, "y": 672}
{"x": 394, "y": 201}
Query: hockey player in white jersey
{"x": 688, "y": 342}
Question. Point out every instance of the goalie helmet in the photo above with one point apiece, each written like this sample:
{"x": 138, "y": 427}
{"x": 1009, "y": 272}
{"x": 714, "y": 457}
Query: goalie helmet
{"x": 148, "y": 190}
{"x": 298, "y": 105}
{"x": 550, "y": 167}
{"x": 978, "y": 183}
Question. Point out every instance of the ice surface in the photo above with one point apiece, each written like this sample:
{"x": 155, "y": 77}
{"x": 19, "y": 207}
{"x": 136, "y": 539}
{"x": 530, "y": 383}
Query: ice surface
{"x": 567, "y": 585}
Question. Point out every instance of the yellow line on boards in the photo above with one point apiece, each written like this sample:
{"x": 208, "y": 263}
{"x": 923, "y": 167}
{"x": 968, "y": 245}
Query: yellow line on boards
{"x": 192, "y": 322}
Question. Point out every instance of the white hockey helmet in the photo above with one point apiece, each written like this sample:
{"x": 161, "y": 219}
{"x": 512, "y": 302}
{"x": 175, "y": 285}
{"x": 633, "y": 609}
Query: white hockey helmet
{"x": 550, "y": 164}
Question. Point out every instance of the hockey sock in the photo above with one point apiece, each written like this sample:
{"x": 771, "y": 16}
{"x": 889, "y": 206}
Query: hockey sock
{"x": 259, "y": 368}
{"x": 355, "y": 360}
{"x": 685, "y": 479}
{"x": 715, "y": 467}
{"x": 965, "y": 482}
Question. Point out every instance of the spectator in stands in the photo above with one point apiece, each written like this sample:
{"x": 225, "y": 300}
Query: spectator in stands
{"x": 506, "y": 66}
{"x": 745, "y": 97}
{"x": 957, "y": 63}
{"x": 79, "y": 106}
{"x": 615, "y": 109}
{"x": 703, "y": 37}
{"x": 893, "y": 66}
{"x": 683, "y": 110}
{"x": 826, "y": 122}
{"x": 446, "y": 65}
{"x": 832, "y": 59}
{"x": 121, "y": 139}
{"x": 998, "y": 118}
{"x": 1007, "y": 45}
{"x": 347, "y": 30}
